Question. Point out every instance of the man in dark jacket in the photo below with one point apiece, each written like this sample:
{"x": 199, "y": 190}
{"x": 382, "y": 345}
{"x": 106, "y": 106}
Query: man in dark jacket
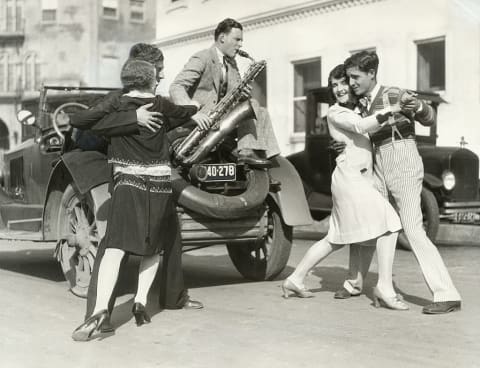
{"x": 173, "y": 294}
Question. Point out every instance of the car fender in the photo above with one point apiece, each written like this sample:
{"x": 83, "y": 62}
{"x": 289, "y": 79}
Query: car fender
{"x": 57, "y": 182}
{"x": 432, "y": 182}
{"x": 291, "y": 197}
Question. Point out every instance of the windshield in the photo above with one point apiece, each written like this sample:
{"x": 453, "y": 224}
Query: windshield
{"x": 54, "y": 99}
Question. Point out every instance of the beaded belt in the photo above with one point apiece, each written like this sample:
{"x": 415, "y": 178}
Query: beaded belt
{"x": 150, "y": 178}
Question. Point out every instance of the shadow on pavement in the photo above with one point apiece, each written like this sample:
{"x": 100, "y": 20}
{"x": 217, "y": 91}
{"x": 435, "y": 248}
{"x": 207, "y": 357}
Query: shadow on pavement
{"x": 332, "y": 279}
{"x": 33, "y": 262}
{"x": 199, "y": 271}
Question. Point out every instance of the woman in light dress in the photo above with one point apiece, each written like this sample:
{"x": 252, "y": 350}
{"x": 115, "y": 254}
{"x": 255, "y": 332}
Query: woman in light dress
{"x": 360, "y": 214}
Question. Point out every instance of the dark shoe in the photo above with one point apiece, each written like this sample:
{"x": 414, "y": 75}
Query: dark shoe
{"x": 93, "y": 324}
{"x": 107, "y": 326}
{"x": 192, "y": 304}
{"x": 343, "y": 294}
{"x": 442, "y": 307}
{"x": 253, "y": 160}
{"x": 140, "y": 314}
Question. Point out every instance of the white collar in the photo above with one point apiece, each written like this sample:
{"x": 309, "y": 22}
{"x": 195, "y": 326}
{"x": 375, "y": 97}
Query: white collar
{"x": 374, "y": 92}
{"x": 136, "y": 93}
{"x": 220, "y": 55}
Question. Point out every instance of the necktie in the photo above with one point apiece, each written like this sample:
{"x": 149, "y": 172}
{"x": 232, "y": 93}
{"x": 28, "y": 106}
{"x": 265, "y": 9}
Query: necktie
{"x": 224, "y": 79}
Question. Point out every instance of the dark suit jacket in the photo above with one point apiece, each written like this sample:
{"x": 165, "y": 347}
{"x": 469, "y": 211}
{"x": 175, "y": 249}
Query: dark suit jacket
{"x": 85, "y": 119}
{"x": 200, "y": 80}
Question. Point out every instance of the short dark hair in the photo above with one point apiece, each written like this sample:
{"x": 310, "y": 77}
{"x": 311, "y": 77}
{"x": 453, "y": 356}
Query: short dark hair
{"x": 146, "y": 52}
{"x": 225, "y": 26}
{"x": 339, "y": 72}
{"x": 137, "y": 74}
{"x": 364, "y": 61}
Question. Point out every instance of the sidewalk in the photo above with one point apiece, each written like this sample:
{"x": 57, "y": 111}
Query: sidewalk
{"x": 448, "y": 234}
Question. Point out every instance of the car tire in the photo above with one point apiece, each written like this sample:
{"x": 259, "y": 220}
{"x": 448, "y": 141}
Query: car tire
{"x": 264, "y": 260}
{"x": 220, "y": 206}
{"x": 431, "y": 220}
{"x": 78, "y": 239}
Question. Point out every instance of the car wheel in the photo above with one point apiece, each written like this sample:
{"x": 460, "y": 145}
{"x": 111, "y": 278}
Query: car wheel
{"x": 431, "y": 220}
{"x": 78, "y": 239}
{"x": 265, "y": 259}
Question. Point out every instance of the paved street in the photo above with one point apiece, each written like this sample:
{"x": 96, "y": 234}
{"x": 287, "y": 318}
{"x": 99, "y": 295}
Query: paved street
{"x": 244, "y": 324}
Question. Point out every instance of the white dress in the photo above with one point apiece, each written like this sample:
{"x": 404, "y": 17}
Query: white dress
{"x": 359, "y": 211}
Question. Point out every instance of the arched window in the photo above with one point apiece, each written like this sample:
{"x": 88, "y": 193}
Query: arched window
{"x": 4, "y": 136}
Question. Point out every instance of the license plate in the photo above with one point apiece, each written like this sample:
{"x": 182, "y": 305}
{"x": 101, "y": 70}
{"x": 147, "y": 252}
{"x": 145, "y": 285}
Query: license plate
{"x": 466, "y": 218}
{"x": 220, "y": 172}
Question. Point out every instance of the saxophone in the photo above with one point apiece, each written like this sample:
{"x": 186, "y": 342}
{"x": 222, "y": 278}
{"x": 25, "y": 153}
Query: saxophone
{"x": 225, "y": 116}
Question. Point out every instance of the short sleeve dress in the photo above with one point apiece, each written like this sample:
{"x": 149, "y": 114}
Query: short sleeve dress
{"x": 142, "y": 212}
{"x": 359, "y": 211}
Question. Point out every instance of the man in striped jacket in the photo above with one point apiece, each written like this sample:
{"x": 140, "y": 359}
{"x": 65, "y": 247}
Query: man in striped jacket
{"x": 399, "y": 172}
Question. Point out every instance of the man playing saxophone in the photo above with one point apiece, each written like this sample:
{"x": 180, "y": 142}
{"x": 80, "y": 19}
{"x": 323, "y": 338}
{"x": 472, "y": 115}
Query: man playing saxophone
{"x": 212, "y": 73}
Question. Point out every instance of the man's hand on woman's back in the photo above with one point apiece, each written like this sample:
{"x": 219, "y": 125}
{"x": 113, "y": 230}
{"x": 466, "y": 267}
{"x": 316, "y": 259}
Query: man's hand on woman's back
{"x": 149, "y": 119}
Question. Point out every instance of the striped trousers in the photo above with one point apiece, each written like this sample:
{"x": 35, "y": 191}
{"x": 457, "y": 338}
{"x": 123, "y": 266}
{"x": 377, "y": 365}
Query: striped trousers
{"x": 399, "y": 172}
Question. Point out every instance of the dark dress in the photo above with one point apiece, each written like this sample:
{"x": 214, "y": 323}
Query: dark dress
{"x": 142, "y": 211}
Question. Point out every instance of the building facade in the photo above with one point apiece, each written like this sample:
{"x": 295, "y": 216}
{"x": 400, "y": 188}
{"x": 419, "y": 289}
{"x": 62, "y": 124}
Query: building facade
{"x": 431, "y": 45}
{"x": 64, "y": 42}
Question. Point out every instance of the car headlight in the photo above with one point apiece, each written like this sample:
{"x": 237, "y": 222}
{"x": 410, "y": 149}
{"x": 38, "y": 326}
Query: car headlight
{"x": 448, "y": 179}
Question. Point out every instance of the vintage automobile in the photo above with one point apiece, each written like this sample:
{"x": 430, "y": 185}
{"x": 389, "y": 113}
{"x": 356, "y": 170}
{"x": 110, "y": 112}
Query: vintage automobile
{"x": 450, "y": 191}
{"x": 53, "y": 192}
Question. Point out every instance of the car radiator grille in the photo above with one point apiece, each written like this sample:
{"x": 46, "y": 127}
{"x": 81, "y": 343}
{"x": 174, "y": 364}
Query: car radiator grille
{"x": 465, "y": 168}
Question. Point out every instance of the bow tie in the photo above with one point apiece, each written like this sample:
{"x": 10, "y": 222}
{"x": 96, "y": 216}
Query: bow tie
{"x": 363, "y": 101}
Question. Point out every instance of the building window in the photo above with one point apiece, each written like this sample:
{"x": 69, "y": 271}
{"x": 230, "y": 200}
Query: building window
{"x": 137, "y": 11}
{"x": 49, "y": 11}
{"x": 306, "y": 76}
{"x": 10, "y": 73}
{"x": 3, "y": 73}
{"x": 110, "y": 9}
{"x": 431, "y": 65}
{"x": 31, "y": 72}
{"x": 4, "y": 136}
{"x": 12, "y": 16}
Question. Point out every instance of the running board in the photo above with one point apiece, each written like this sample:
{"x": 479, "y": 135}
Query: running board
{"x": 21, "y": 235}
{"x": 12, "y": 223}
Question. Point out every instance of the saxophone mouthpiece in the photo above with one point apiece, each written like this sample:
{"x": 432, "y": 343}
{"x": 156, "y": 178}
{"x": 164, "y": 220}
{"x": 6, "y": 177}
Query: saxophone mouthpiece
{"x": 244, "y": 54}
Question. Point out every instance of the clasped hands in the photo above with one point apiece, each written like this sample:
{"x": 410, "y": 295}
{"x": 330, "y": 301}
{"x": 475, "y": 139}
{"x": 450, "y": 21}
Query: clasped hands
{"x": 407, "y": 104}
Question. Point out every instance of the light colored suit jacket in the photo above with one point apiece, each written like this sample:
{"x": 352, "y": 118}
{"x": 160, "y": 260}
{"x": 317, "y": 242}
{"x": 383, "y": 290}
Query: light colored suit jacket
{"x": 199, "y": 80}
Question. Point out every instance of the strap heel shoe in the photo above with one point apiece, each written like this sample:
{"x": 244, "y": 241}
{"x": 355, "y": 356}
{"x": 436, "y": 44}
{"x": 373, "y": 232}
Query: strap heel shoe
{"x": 93, "y": 324}
{"x": 301, "y": 292}
{"x": 140, "y": 314}
{"x": 394, "y": 302}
